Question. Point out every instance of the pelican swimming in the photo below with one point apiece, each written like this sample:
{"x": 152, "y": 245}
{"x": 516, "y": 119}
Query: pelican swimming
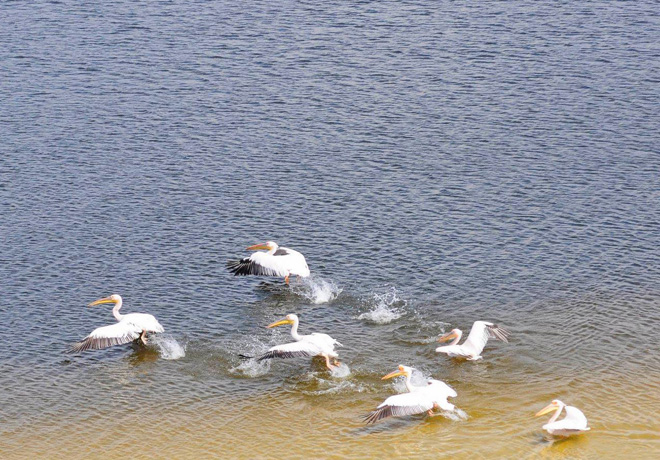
{"x": 574, "y": 423}
{"x": 428, "y": 398}
{"x": 314, "y": 344}
{"x": 473, "y": 346}
{"x": 276, "y": 262}
{"x": 133, "y": 326}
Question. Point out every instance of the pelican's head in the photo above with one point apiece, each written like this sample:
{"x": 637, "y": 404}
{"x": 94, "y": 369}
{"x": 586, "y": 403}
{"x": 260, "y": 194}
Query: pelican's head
{"x": 453, "y": 334}
{"x": 288, "y": 319}
{"x": 553, "y": 406}
{"x": 403, "y": 370}
{"x": 268, "y": 246}
{"x": 114, "y": 298}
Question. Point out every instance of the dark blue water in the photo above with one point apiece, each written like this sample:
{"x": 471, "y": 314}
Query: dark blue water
{"x": 469, "y": 160}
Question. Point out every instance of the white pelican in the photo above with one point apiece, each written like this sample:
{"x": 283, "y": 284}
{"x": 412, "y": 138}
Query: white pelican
{"x": 419, "y": 399}
{"x": 276, "y": 262}
{"x": 314, "y": 344}
{"x": 473, "y": 346}
{"x": 132, "y": 326}
{"x": 574, "y": 423}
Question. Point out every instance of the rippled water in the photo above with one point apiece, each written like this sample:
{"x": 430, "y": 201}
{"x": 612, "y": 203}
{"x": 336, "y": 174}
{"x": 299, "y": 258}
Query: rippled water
{"x": 436, "y": 162}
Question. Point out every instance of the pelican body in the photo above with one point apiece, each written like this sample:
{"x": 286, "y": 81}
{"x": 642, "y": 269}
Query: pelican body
{"x": 130, "y": 327}
{"x": 476, "y": 341}
{"x": 276, "y": 261}
{"x": 314, "y": 344}
{"x": 418, "y": 400}
{"x": 574, "y": 423}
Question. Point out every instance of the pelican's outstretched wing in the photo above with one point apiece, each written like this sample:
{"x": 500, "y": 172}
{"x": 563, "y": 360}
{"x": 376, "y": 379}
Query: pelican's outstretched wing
{"x": 259, "y": 264}
{"x": 304, "y": 348}
{"x": 413, "y": 403}
{"x": 480, "y": 333}
{"x": 108, "y": 336}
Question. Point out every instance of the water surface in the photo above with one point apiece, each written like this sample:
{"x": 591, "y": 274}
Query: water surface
{"x": 436, "y": 162}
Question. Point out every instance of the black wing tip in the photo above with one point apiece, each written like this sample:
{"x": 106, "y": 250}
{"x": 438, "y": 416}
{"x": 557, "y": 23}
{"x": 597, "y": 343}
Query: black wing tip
{"x": 283, "y": 354}
{"x": 239, "y": 267}
{"x": 245, "y": 267}
{"x": 378, "y": 414}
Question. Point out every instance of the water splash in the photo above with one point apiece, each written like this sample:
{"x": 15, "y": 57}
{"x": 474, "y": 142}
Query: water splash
{"x": 251, "y": 368}
{"x": 250, "y": 348}
{"x": 340, "y": 372}
{"x": 168, "y": 347}
{"x": 316, "y": 289}
{"x": 388, "y": 307}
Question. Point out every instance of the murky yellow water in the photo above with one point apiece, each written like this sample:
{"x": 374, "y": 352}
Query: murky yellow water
{"x": 285, "y": 424}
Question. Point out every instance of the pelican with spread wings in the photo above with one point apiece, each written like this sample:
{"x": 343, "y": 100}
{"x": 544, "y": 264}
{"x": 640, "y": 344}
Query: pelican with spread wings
{"x": 130, "y": 327}
{"x": 476, "y": 341}
{"x": 276, "y": 261}
{"x": 418, "y": 400}
{"x": 315, "y": 344}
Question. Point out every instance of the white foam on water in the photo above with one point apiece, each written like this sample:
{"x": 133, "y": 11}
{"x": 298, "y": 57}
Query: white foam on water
{"x": 385, "y": 310}
{"x": 168, "y": 347}
{"x": 340, "y": 372}
{"x": 316, "y": 289}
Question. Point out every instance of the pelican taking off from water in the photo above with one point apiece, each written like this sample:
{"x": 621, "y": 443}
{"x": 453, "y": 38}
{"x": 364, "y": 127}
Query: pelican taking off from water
{"x": 128, "y": 328}
{"x": 473, "y": 346}
{"x": 276, "y": 262}
{"x": 428, "y": 398}
{"x": 314, "y": 344}
{"x": 574, "y": 423}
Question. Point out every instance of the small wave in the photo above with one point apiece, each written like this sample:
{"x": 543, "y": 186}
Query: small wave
{"x": 168, "y": 347}
{"x": 387, "y": 308}
{"x": 316, "y": 289}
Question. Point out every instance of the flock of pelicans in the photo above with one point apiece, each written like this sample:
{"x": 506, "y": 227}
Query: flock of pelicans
{"x": 284, "y": 262}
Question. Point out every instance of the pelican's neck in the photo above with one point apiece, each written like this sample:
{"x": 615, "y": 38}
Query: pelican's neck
{"x": 459, "y": 334}
{"x": 409, "y": 385}
{"x": 115, "y": 311}
{"x": 294, "y": 331}
{"x": 557, "y": 412}
{"x": 272, "y": 250}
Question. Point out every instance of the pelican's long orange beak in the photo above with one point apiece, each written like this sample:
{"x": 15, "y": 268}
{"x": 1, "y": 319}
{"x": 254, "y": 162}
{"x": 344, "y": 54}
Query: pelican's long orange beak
{"x": 447, "y": 337}
{"x": 280, "y": 323}
{"x": 257, "y": 247}
{"x": 549, "y": 408}
{"x": 100, "y": 301}
{"x": 401, "y": 371}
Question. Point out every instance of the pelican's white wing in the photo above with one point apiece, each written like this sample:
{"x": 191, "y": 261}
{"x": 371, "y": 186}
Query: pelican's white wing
{"x": 144, "y": 321}
{"x": 107, "y": 336}
{"x": 480, "y": 333}
{"x": 413, "y": 403}
{"x": 439, "y": 391}
{"x": 574, "y": 421}
{"x": 455, "y": 350}
{"x": 324, "y": 342}
{"x": 282, "y": 263}
{"x": 303, "y": 348}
